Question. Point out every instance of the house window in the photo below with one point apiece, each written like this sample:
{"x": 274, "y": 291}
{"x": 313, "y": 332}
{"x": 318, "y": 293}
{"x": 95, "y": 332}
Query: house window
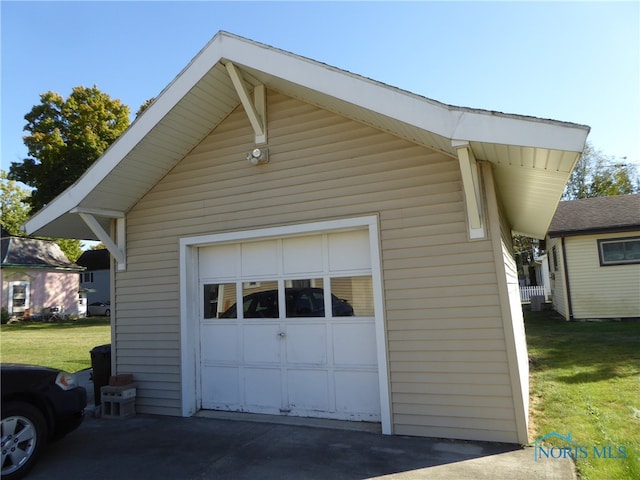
{"x": 86, "y": 277}
{"x": 554, "y": 253}
{"x": 620, "y": 251}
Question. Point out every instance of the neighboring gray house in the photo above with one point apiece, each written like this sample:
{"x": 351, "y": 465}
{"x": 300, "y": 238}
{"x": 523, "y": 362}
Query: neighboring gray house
{"x": 257, "y": 175}
{"x": 95, "y": 280}
{"x": 594, "y": 258}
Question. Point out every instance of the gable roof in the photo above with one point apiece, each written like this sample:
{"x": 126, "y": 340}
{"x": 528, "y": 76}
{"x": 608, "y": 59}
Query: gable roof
{"x": 31, "y": 253}
{"x": 95, "y": 259}
{"x": 531, "y": 157}
{"x": 596, "y": 215}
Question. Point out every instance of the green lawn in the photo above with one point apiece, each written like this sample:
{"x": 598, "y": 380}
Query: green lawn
{"x": 585, "y": 380}
{"x": 64, "y": 345}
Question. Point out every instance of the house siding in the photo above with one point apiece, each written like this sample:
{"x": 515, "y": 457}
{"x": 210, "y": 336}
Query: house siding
{"x": 48, "y": 288}
{"x": 611, "y": 291}
{"x": 449, "y": 373}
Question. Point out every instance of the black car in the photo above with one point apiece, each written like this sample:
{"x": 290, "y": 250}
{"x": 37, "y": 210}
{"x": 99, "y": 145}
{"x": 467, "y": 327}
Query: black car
{"x": 38, "y": 404}
{"x": 301, "y": 302}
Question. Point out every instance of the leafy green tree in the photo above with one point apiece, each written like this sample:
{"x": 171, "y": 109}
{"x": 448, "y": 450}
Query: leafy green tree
{"x": 65, "y": 137}
{"x": 15, "y": 211}
{"x": 71, "y": 247}
{"x": 144, "y": 106}
{"x": 599, "y": 175}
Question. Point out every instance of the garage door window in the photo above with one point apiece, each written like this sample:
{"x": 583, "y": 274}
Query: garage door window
{"x": 357, "y": 292}
{"x": 305, "y": 297}
{"x": 219, "y": 299}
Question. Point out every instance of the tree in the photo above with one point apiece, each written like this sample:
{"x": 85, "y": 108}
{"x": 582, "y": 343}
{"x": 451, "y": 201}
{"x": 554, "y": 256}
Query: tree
{"x": 15, "y": 211}
{"x": 144, "y": 106}
{"x": 599, "y": 175}
{"x": 65, "y": 137}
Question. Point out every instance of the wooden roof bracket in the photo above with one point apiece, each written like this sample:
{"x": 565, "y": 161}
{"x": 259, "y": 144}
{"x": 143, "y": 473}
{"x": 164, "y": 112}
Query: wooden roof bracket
{"x": 256, "y": 109}
{"x": 471, "y": 187}
{"x": 117, "y": 248}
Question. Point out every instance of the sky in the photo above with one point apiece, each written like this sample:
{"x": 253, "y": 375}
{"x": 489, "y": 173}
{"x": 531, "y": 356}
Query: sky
{"x": 576, "y": 61}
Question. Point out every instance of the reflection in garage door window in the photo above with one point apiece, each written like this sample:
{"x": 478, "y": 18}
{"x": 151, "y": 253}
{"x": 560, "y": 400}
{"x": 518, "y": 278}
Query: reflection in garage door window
{"x": 260, "y": 299}
{"x": 357, "y": 291}
{"x": 304, "y": 298}
{"x": 218, "y": 299}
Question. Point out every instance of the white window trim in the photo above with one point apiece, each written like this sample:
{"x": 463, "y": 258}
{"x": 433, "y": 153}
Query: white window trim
{"x": 27, "y": 295}
{"x": 189, "y": 301}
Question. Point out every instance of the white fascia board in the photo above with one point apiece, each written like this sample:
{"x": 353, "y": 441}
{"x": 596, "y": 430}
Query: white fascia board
{"x": 505, "y": 129}
{"x": 166, "y": 100}
{"x": 345, "y": 86}
{"x": 447, "y": 121}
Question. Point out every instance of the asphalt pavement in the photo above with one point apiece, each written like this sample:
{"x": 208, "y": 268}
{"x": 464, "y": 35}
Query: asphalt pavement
{"x": 162, "y": 447}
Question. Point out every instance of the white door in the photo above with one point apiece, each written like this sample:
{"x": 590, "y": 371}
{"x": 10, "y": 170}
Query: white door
{"x": 304, "y": 341}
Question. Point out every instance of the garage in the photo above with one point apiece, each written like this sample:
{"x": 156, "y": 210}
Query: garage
{"x": 304, "y": 343}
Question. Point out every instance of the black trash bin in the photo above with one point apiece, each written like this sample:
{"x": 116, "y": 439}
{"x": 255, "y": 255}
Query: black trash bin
{"x": 101, "y": 365}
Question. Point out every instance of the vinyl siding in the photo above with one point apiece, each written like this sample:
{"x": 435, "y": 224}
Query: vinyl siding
{"x": 611, "y": 291}
{"x": 449, "y": 374}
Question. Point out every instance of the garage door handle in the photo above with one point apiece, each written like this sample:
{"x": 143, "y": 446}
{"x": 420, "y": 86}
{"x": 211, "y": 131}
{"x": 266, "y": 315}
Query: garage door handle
{"x": 282, "y": 334}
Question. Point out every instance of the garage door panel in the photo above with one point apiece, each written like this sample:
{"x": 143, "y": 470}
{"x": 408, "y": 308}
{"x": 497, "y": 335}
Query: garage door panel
{"x": 304, "y": 363}
{"x": 260, "y": 258}
{"x": 262, "y": 387}
{"x": 220, "y": 387}
{"x": 349, "y": 251}
{"x": 302, "y": 255}
{"x": 308, "y": 390}
{"x": 219, "y": 261}
{"x": 346, "y": 351}
{"x": 219, "y": 343}
{"x": 306, "y": 343}
{"x": 261, "y": 344}
{"x": 358, "y": 392}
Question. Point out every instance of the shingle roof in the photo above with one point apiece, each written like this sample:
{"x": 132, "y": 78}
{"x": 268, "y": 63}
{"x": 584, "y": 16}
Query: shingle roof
{"x": 33, "y": 253}
{"x": 95, "y": 259}
{"x": 599, "y": 214}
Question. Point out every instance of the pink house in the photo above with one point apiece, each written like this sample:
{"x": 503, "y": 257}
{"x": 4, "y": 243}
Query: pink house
{"x": 38, "y": 277}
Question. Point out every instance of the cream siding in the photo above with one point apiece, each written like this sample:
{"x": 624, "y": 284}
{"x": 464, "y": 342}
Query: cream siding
{"x": 448, "y": 361}
{"x": 611, "y": 291}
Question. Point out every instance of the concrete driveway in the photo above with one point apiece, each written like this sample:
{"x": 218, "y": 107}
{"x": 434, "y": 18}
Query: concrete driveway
{"x": 159, "y": 447}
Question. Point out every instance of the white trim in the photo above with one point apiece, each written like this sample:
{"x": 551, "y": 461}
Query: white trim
{"x": 189, "y": 300}
{"x": 447, "y": 121}
{"x": 253, "y": 110}
{"x": 27, "y": 295}
{"x": 471, "y": 187}
{"x": 116, "y": 250}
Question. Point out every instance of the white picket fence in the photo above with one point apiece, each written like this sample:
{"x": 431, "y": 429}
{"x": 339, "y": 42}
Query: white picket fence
{"x": 527, "y": 292}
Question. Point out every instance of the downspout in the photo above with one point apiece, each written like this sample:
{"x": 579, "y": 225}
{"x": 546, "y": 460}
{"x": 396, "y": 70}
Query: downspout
{"x": 566, "y": 279}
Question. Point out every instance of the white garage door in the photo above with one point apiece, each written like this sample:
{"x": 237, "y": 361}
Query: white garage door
{"x": 304, "y": 341}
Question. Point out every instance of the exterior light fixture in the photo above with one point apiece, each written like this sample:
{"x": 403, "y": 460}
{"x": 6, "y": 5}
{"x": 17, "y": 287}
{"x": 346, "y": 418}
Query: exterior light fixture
{"x": 258, "y": 156}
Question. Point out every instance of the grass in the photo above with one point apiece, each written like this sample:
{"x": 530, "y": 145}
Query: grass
{"x": 64, "y": 345}
{"x": 585, "y": 380}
